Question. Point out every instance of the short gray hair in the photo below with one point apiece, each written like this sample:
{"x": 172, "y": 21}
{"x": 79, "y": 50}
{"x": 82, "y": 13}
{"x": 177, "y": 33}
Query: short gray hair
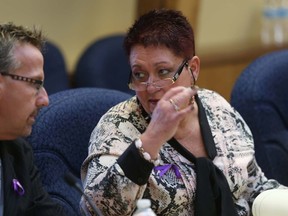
{"x": 11, "y": 35}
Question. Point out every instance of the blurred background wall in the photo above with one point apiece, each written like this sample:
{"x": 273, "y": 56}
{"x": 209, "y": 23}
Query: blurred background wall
{"x": 72, "y": 24}
{"x": 223, "y": 28}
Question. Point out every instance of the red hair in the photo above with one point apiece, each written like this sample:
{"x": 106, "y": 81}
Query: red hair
{"x": 162, "y": 27}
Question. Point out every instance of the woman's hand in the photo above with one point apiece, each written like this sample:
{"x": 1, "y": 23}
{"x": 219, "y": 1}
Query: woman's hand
{"x": 166, "y": 117}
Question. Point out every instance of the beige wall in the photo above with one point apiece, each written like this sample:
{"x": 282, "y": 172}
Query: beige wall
{"x": 73, "y": 24}
{"x": 225, "y": 22}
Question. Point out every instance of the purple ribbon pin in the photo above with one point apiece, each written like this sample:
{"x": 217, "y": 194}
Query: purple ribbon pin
{"x": 17, "y": 187}
{"x": 164, "y": 168}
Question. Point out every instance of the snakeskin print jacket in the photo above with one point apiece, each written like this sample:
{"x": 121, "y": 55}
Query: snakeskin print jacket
{"x": 115, "y": 176}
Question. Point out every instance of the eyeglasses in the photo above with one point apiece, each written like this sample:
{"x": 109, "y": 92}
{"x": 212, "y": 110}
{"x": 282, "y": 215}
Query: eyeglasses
{"x": 142, "y": 86}
{"x": 37, "y": 83}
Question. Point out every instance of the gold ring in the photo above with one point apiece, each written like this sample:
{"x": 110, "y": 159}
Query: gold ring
{"x": 176, "y": 107}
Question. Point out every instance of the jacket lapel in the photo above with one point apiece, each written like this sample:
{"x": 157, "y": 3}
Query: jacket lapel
{"x": 10, "y": 196}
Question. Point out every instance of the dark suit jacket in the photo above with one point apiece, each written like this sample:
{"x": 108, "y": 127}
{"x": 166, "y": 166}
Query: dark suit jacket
{"x": 17, "y": 163}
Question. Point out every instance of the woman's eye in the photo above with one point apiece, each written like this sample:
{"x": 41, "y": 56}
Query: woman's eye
{"x": 139, "y": 75}
{"x": 164, "y": 72}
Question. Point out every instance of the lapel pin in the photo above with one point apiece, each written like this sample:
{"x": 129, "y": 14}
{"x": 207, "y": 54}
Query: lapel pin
{"x": 17, "y": 187}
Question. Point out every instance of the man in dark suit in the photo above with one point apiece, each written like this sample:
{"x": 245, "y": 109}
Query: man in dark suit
{"x": 21, "y": 96}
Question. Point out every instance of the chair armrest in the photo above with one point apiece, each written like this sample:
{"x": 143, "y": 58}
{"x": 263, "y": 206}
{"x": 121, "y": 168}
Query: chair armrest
{"x": 271, "y": 202}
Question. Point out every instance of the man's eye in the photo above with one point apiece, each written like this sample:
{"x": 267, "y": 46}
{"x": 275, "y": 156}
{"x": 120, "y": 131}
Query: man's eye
{"x": 37, "y": 86}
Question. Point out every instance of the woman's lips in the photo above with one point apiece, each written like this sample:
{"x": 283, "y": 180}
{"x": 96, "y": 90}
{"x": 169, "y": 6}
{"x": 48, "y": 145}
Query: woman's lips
{"x": 153, "y": 103}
